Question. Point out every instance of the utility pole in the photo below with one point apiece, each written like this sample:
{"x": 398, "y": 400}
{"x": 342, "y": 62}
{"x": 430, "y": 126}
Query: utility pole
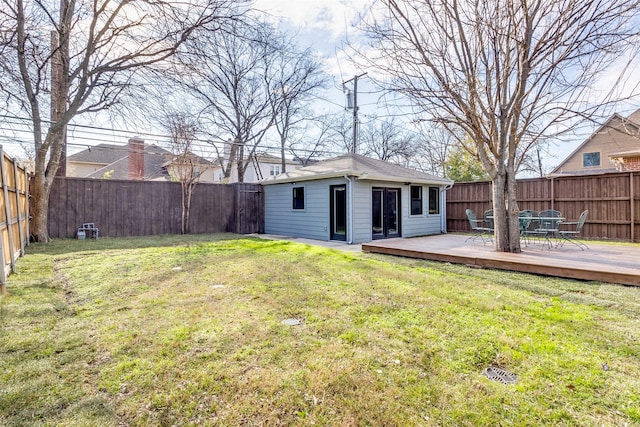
{"x": 354, "y": 106}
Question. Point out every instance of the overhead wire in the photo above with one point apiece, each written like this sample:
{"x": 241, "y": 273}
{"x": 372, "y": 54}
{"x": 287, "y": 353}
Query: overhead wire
{"x": 90, "y": 134}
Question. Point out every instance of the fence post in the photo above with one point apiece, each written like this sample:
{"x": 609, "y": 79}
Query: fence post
{"x": 20, "y": 231}
{"x": 236, "y": 202}
{"x": 552, "y": 195}
{"x": 3, "y": 271}
{"x": 632, "y": 199}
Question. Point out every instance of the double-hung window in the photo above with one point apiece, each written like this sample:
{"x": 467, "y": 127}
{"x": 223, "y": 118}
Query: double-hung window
{"x": 434, "y": 200}
{"x": 416, "y": 200}
{"x": 298, "y": 197}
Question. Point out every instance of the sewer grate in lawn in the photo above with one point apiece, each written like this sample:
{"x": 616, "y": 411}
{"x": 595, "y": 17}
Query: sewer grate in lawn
{"x": 292, "y": 322}
{"x": 497, "y": 374}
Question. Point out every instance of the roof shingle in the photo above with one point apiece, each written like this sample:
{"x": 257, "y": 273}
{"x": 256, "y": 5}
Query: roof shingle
{"x": 365, "y": 168}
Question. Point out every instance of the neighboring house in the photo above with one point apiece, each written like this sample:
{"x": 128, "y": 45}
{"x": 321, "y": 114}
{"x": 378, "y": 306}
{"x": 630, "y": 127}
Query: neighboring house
{"x": 627, "y": 161}
{"x": 355, "y": 199}
{"x": 615, "y": 143}
{"x": 261, "y": 167}
{"x": 136, "y": 160}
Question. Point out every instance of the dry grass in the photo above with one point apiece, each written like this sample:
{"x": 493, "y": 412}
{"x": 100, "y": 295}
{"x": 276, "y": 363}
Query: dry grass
{"x": 188, "y": 331}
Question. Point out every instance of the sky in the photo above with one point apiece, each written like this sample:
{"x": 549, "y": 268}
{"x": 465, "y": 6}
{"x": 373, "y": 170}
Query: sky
{"x": 325, "y": 26}
{"x": 328, "y": 24}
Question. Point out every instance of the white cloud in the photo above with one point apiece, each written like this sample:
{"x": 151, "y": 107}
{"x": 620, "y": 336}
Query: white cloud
{"x": 331, "y": 17}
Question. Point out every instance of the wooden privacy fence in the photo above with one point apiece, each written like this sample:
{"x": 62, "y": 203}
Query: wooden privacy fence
{"x": 14, "y": 208}
{"x": 613, "y": 201}
{"x": 143, "y": 208}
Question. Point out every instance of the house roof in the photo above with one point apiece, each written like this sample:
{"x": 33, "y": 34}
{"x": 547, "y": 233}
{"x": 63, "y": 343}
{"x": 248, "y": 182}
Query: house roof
{"x": 269, "y": 158}
{"x": 633, "y": 120}
{"x": 264, "y": 158}
{"x": 361, "y": 167}
{"x": 101, "y": 153}
{"x": 116, "y": 158}
{"x": 625, "y": 154}
{"x": 635, "y": 117}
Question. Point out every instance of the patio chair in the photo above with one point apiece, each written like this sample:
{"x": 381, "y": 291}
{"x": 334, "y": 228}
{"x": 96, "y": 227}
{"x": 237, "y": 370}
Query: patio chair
{"x": 529, "y": 221}
{"x": 488, "y": 219}
{"x": 479, "y": 228}
{"x": 549, "y": 221}
{"x": 571, "y": 235}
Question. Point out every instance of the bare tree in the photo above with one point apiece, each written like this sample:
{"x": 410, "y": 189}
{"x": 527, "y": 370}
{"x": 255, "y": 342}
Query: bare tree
{"x": 531, "y": 162}
{"x": 341, "y": 126}
{"x": 432, "y": 147}
{"x": 386, "y": 140}
{"x": 231, "y": 75}
{"x": 314, "y": 140}
{"x": 78, "y": 56}
{"x": 297, "y": 76}
{"x": 505, "y": 73}
{"x": 184, "y": 165}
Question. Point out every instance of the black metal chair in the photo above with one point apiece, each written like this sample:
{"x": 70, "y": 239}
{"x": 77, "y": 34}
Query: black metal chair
{"x": 479, "y": 227}
{"x": 571, "y": 235}
{"x": 549, "y": 221}
{"x": 488, "y": 220}
{"x": 529, "y": 221}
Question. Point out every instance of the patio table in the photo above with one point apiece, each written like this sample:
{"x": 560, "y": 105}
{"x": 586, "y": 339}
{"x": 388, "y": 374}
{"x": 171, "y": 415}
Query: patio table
{"x": 545, "y": 229}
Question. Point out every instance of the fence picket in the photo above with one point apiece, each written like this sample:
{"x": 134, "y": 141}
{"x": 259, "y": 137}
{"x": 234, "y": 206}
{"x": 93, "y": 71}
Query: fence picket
{"x": 612, "y": 200}
{"x": 14, "y": 230}
{"x": 138, "y": 208}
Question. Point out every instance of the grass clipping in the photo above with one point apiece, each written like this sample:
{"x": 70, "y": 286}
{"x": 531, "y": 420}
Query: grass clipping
{"x": 189, "y": 330}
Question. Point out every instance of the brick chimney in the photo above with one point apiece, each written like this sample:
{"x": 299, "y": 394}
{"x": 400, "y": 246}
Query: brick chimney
{"x": 136, "y": 158}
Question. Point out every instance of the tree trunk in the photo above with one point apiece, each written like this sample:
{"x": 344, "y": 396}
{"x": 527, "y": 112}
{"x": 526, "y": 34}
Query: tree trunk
{"x": 186, "y": 207}
{"x": 513, "y": 212}
{"x": 506, "y": 228}
{"x": 284, "y": 161}
{"x": 183, "y": 223}
{"x": 40, "y": 207}
{"x": 240, "y": 163}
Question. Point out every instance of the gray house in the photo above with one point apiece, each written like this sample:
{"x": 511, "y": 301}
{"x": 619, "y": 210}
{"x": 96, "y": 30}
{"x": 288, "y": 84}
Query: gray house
{"x": 355, "y": 199}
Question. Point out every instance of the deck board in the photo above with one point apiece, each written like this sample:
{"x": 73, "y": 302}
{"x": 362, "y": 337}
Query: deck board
{"x": 601, "y": 262}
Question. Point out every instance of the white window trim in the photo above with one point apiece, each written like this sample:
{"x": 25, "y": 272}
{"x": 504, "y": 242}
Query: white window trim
{"x": 306, "y": 197}
{"x": 429, "y": 187}
{"x": 425, "y": 206}
{"x": 273, "y": 169}
{"x": 595, "y": 166}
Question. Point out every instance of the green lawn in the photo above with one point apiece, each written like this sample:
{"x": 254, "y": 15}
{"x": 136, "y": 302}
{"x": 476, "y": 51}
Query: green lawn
{"x": 187, "y": 330}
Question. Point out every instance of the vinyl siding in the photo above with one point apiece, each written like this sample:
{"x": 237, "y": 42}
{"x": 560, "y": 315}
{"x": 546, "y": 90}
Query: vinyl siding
{"x": 410, "y": 226}
{"x": 361, "y": 211}
{"x": 312, "y": 222}
{"x": 420, "y": 225}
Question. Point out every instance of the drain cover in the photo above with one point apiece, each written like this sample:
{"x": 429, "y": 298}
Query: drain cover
{"x": 291, "y": 322}
{"x": 497, "y": 374}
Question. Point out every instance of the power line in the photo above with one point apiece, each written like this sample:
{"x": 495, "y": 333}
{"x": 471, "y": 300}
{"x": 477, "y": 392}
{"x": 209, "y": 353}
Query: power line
{"x": 160, "y": 138}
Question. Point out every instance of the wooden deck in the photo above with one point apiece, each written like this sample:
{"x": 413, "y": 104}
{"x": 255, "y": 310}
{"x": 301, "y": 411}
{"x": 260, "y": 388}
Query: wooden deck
{"x": 601, "y": 262}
